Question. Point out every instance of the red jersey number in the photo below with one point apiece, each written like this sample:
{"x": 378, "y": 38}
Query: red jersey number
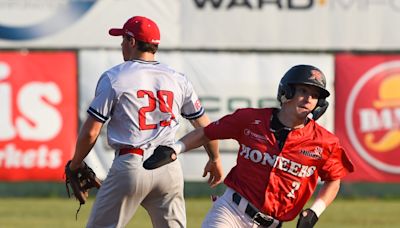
{"x": 165, "y": 99}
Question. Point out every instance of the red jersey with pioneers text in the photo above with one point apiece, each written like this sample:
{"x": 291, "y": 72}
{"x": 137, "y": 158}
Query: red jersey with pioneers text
{"x": 279, "y": 182}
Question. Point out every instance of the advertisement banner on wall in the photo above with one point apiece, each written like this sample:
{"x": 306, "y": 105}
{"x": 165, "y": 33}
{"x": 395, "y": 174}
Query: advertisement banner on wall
{"x": 368, "y": 114}
{"x": 38, "y": 100}
{"x": 223, "y": 81}
{"x": 206, "y": 24}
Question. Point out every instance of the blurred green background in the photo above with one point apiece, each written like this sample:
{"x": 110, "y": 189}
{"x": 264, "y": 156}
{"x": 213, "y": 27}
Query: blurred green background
{"x": 38, "y": 204}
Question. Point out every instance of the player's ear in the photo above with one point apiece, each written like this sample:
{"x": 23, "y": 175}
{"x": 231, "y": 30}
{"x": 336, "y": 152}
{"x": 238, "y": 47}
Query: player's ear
{"x": 132, "y": 42}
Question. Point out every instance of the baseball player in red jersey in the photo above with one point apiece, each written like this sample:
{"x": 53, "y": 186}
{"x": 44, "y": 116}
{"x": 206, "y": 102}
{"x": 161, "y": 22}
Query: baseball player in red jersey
{"x": 282, "y": 154}
{"x": 143, "y": 101}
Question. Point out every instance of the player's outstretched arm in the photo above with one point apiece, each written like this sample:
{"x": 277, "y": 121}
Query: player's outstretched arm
{"x": 166, "y": 154}
{"x": 213, "y": 166}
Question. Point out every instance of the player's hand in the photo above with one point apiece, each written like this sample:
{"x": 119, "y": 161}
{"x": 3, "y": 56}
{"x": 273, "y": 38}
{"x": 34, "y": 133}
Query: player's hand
{"x": 216, "y": 172}
{"x": 307, "y": 219}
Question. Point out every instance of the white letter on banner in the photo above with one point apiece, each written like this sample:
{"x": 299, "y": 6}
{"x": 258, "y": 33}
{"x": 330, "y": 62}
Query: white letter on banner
{"x": 41, "y": 121}
{"x": 7, "y": 131}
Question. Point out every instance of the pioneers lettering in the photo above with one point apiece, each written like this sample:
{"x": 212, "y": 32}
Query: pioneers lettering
{"x": 279, "y": 162}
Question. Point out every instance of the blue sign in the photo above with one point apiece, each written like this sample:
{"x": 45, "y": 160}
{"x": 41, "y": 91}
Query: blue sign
{"x": 65, "y": 16}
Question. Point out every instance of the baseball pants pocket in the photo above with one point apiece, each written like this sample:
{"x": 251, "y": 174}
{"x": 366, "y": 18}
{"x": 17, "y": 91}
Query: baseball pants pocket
{"x": 120, "y": 195}
{"x": 221, "y": 215}
{"x": 165, "y": 203}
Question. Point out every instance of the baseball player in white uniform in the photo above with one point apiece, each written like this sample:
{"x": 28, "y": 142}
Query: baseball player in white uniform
{"x": 143, "y": 101}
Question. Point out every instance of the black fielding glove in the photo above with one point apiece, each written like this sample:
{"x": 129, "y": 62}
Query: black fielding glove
{"x": 80, "y": 181}
{"x": 162, "y": 155}
{"x": 307, "y": 219}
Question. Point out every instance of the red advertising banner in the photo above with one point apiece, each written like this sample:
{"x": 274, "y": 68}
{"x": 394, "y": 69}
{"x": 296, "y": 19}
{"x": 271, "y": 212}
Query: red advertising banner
{"x": 38, "y": 117}
{"x": 367, "y": 114}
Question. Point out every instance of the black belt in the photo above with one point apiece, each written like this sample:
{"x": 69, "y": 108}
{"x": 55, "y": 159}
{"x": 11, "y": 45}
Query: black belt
{"x": 258, "y": 217}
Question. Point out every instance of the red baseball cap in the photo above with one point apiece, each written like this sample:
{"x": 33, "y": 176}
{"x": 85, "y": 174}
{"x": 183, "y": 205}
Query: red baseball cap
{"x": 140, "y": 28}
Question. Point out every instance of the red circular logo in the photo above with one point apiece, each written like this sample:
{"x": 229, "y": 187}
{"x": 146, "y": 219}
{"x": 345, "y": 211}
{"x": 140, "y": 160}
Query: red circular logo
{"x": 373, "y": 116}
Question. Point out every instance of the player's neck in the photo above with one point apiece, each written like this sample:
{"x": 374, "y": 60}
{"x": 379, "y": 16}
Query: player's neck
{"x": 294, "y": 123}
{"x": 145, "y": 56}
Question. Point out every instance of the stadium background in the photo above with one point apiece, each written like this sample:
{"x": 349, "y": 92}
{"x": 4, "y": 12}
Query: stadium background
{"x": 234, "y": 51}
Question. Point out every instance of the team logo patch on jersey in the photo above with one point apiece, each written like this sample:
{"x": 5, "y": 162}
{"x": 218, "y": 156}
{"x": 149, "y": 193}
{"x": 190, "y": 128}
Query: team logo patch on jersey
{"x": 197, "y": 105}
{"x": 256, "y": 122}
{"x": 255, "y": 136}
{"x": 316, "y": 153}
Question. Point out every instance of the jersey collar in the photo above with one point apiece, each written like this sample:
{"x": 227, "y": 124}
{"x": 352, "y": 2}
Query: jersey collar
{"x": 145, "y": 62}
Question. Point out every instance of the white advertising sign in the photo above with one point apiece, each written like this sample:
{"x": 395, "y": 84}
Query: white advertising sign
{"x": 224, "y": 83}
{"x": 312, "y": 25}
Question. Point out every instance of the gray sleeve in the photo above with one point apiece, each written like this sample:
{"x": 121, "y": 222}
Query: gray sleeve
{"x": 102, "y": 104}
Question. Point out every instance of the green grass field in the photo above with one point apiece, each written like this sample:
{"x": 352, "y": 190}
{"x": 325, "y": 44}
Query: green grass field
{"x": 60, "y": 213}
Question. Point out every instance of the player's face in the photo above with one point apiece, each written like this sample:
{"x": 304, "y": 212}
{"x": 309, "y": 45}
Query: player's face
{"x": 304, "y": 101}
{"x": 126, "y": 48}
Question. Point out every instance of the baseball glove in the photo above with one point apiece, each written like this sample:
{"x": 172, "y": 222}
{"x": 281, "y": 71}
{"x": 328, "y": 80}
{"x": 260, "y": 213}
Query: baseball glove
{"x": 162, "y": 155}
{"x": 80, "y": 181}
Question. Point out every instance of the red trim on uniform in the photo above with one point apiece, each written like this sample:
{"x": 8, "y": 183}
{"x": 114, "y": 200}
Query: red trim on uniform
{"x": 131, "y": 151}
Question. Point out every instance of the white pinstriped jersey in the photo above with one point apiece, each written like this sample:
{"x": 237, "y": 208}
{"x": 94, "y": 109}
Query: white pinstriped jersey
{"x": 144, "y": 101}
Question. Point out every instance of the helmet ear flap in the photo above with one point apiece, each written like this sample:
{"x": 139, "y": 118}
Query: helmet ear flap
{"x": 285, "y": 92}
{"x": 321, "y": 102}
{"x": 289, "y": 91}
{"x": 320, "y": 109}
